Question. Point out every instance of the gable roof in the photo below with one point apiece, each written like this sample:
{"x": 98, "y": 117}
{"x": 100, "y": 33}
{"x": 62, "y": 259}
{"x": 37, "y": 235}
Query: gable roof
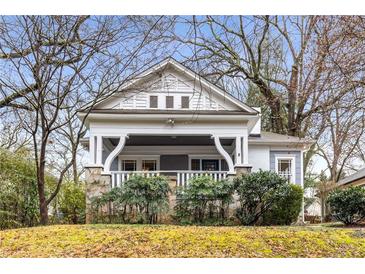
{"x": 353, "y": 177}
{"x": 190, "y": 74}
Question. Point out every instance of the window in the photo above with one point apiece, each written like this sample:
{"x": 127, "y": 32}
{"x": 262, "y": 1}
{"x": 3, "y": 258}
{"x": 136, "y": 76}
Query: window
{"x": 224, "y": 165}
{"x": 285, "y": 168}
{"x": 153, "y": 101}
{"x": 149, "y": 165}
{"x": 210, "y": 165}
{"x": 195, "y": 164}
{"x": 129, "y": 165}
{"x": 184, "y": 101}
{"x": 169, "y": 101}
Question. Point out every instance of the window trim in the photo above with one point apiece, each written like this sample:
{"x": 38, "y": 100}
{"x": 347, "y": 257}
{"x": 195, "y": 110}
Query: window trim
{"x": 286, "y": 157}
{"x": 154, "y": 160}
{"x": 139, "y": 159}
{"x": 127, "y": 159}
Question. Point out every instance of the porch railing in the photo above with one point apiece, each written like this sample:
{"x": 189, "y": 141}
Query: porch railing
{"x": 182, "y": 176}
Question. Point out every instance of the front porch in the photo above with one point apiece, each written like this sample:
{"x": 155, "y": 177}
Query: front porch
{"x": 180, "y": 157}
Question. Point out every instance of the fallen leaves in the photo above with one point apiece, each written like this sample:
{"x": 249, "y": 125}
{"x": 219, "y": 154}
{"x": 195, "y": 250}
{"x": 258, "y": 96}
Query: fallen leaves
{"x": 180, "y": 241}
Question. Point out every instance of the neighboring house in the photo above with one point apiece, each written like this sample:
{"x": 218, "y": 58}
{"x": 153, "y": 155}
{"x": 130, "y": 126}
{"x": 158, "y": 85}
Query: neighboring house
{"x": 356, "y": 179}
{"x": 171, "y": 121}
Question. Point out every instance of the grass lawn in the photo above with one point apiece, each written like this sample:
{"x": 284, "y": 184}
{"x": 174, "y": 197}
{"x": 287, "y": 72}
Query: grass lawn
{"x": 181, "y": 241}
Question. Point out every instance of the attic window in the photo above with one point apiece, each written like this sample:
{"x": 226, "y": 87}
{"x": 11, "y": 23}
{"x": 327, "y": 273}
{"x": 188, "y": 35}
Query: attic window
{"x": 169, "y": 101}
{"x": 153, "y": 101}
{"x": 184, "y": 101}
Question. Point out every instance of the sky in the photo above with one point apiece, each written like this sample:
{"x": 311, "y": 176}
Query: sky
{"x": 181, "y": 52}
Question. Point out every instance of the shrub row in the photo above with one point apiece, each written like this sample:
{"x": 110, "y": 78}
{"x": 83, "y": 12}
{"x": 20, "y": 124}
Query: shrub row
{"x": 261, "y": 198}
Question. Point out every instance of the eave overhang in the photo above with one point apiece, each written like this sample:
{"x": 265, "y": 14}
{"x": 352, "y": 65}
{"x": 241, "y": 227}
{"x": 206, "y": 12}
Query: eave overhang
{"x": 148, "y": 116}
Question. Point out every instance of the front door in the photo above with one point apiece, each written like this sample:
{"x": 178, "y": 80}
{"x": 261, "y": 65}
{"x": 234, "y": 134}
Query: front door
{"x": 210, "y": 165}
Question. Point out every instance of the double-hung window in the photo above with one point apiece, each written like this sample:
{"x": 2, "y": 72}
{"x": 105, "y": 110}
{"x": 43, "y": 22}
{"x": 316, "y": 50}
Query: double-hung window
{"x": 129, "y": 165}
{"x": 149, "y": 165}
{"x": 208, "y": 164}
{"x": 285, "y": 167}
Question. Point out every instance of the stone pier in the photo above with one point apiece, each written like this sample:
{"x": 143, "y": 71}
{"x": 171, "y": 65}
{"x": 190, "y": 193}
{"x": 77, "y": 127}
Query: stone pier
{"x": 96, "y": 184}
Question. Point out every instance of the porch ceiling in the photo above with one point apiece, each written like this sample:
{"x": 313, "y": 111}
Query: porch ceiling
{"x": 171, "y": 141}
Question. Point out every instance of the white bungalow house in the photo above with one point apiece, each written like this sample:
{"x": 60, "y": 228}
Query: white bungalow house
{"x": 171, "y": 121}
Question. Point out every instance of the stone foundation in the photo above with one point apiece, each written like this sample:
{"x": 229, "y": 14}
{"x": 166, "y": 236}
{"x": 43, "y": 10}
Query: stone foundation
{"x": 96, "y": 184}
{"x": 242, "y": 170}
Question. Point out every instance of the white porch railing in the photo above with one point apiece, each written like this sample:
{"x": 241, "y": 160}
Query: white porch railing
{"x": 119, "y": 177}
{"x": 182, "y": 176}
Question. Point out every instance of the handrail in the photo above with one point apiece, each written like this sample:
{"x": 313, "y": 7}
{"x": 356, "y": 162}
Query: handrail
{"x": 169, "y": 171}
{"x": 182, "y": 176}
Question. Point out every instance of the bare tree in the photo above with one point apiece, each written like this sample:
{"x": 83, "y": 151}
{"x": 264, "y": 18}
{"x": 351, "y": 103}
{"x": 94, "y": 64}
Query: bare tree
{"x": 337, "y": 145}
{"x": 57, "y": 64}
{"x": 12, "y": 135}
{"x": 290, "y": 60}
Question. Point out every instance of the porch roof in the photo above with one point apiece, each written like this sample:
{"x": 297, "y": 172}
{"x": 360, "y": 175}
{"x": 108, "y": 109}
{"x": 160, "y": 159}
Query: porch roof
{"x": 274, "y": 138}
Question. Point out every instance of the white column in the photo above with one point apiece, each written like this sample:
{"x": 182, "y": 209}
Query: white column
{"x": 99, "y": 150}
{"x": 224, "y": 153}
{"x": 92, "y": 150}
{"x": 109, "y": 160}
{"x": 245, "y": 150}
{"x": 238, "y": 151}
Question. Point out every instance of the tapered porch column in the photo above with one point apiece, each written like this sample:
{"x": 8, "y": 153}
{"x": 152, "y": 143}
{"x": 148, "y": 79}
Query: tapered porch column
{"x": 238, "y": 151}
{"x": 92, "y": 150}
{"x": 241, "y": 155}
{"x": 95, "y": 150}
{"x": 245, "y": 150}
{"x": 99, "y": 150}
{"x": 96, "y": 182}
{"x": 98, "y": 178}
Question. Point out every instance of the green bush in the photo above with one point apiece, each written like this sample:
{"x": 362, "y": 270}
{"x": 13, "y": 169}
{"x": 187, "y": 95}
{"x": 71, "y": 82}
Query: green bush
{"x": 348, "y": 205}
{"x": 139, "y": 200}
{"x": 18, "y": 190}
{"x": 204, "y": 201}
{"x": 287, "y": 209}
{"x": 261, "y": 192}
{"x": 72, "y": 202}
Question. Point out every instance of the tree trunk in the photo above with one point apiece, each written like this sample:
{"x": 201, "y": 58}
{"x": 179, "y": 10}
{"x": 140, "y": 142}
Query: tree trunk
{"x": 292, "y": 98}
{"x": 75, "y": 171}
{"x": 274, "y": 103}
{"x": 43, "y": 206}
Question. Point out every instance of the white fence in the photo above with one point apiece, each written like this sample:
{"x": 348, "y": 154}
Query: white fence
{"x": 182, "y": 176}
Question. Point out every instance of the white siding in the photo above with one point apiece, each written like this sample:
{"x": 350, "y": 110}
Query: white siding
{"x": 259, "y": 157}
{"x": 173, "y": 84}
